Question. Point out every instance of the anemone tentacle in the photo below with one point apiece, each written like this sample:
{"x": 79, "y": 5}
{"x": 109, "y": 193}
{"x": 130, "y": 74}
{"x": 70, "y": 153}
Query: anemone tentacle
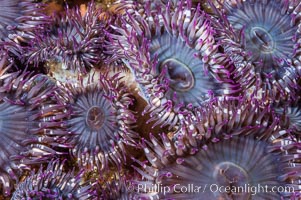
{"x": 251, "y": 151}
{"x": 140, "y": 6}
{"x": 290, "y": 114}
{"x": 117, "y": 189}
{"x": 265, "y": 35}
{"x": 101, "y": 121}
{"x": 176, "y": 60}
{"x": 31, "y": 123}
{"x": 18, "y": 20}
{"x": 55, "y": 183}
{"x": 73, "y": 38}
{"x": 226, "y": 116}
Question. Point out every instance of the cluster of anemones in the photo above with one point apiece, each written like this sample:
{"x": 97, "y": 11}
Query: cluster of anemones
{"x": 263, "y": 39}
{"x": 73, "y": 38}
{"x": 101, "y": 120}
{"x": 224, "y": 149}
{"x": 31, "y": 123}
{"x": 163, "y": 99}
{"x": 176, "y": 61}
{"x": 18, "y": 22}
{"x": 54, "y": 183}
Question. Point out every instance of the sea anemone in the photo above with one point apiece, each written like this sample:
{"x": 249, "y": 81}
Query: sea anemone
{"x": 175, "y": 59}
{"x": 291, "y": 116}
{"x": 129, "y": 6}
{"x": 73, "y": 38}
{"x": 19, "y": 19}
{"x": 101, "y": 121}
{"x": 260, "y": 161}
{"x": 117, "y": 189}
{"x": 268, "y": 33}
{"x": 31, "y": 125}
{"x": 224, "y": 117}
{"x": 55, "y": 183}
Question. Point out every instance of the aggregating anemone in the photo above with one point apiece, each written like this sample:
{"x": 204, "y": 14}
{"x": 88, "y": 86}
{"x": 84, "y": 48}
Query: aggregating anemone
{"x": 217, "y": 83}
{"x": 290, "y": 115}
{"x": 176, "y": 61}
{"x": 19, "y": 19}
{"x": 267, "y": 33}
{"x": 101, "y": 120}
{"x": 117, "y": 189}
{"x": 30, "y": 125}
{"x": 54, "y": 183}
{"x": 225, "y": 160}
{"x": 73, "y": 38}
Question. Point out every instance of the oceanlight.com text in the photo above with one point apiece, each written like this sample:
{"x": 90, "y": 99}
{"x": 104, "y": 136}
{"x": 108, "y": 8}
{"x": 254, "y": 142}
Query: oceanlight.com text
{"x": 214, "y": 188}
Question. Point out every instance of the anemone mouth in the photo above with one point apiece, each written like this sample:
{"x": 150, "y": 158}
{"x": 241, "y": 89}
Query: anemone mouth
{"x": 95, "y": 118}
{"x": 262, "y": 40}
{"x": 178, "y": 74}
{"x": 176, "y": 62}
{"x": 100, "y": 120}
{"x": 236, "y": 163}
{"x": 228, "y": 146}
{"x": 230, "y": 173}
{"x": 269, "y": 33}
{"x": 182, "y": 69}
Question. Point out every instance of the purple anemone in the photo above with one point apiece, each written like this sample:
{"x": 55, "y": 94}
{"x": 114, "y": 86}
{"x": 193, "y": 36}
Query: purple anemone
{"x": 224, "y": 117}
{"x": 18, "y": 20}
{"x": 30, "y": 123}
{"x": 101, "y": 121}
{"x": 73, "y": 38}
{"x": 129, "y": 6}
{"x": 257, "y": 160}
{"x": 291, "y": 116}
{"x": 117, "y": 189}
{"x": 55, "y": 183}
{"x": 267, "y": 35}
{"x": 174, "y": 57}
